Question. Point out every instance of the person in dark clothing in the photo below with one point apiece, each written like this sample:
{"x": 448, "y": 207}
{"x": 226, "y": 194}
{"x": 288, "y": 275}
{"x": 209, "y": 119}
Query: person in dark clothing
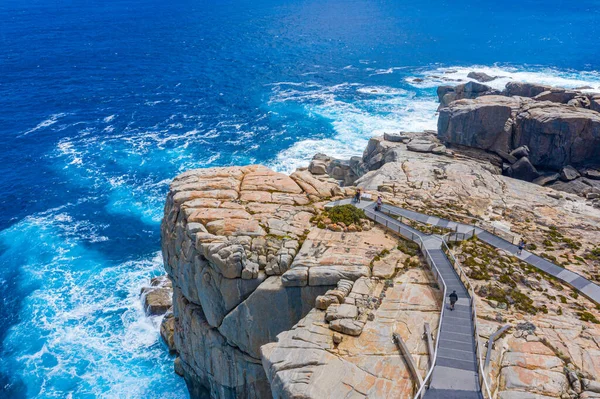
{"x": 453, "y": 299}
{"x": 357, "y": 196}
{"x": 521, "y": 246}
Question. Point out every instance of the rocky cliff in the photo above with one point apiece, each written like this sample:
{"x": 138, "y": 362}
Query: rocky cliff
{"x": 228, "y": 235}
{"x": 537, "y": 130}
{"x": 273, "y": 296}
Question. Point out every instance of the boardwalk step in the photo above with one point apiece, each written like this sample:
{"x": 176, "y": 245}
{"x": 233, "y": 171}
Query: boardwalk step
{"x": 457, "y": 364}
{"x": 450, "y": 394}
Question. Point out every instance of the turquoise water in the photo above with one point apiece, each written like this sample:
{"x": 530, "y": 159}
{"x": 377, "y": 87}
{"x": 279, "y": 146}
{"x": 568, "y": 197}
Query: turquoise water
{"x": 102, "y": 103}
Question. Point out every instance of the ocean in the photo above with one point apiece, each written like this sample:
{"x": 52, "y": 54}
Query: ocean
{"x": 102, "y": 103}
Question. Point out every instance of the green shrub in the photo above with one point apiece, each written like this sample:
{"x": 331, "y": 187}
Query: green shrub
{"x": 505, "y": 279}
{"x": 347, "y": 214}
{"x": 408, "y": 247}
{"x": 572, "y": 244}
{"x": 587, "y": 316}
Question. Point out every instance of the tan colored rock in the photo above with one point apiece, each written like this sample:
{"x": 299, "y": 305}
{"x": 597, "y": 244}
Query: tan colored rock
{"x": 156, "y": 300}
{"x": 540, "y": 381}
{"x": 302, "y": 362}
{"x": 225, "y": 230}
{"x": 330, "y": 256}
{"x": 167, "y": 331}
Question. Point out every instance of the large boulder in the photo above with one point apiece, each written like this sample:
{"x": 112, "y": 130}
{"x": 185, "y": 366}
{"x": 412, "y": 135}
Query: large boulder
{"x": 484, "y": 123}
{"x": 523, "y": 89}
{"x": 481, "y": 76}
{"x": 557, "y": 95}
{"x": 470, "y": 90}
{"x": 569, "y": 173}
{"x": 523, "y": 170}
{"x": 556, "y": 134}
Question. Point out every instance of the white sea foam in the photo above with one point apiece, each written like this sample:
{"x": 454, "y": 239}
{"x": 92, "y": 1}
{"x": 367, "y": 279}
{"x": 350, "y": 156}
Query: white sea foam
{"x": 379, "y": 109}
{"x": 353, "y": 119}
{"x": 45, "y": 123}
{"x": 547, "y": 76}
{"x": 381, "y": 91}
{"x": 82, "y": 331}
{"x": 109, "y": 118}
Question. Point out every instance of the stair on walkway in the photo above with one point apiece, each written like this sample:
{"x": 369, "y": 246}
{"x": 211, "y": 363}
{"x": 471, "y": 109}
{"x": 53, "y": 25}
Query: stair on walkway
{"x": 455, "y": 369}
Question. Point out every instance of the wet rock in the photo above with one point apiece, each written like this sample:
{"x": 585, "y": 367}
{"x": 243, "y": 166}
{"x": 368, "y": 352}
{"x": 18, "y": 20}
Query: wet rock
{"x": 481, "y": 76}
{"x": 157, "y": 299}
{"x": 167, "y": 331}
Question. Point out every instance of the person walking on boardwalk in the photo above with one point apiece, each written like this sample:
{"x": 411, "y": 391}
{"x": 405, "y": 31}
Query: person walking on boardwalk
{"x": 379, "y": 203}
{"x": 453, "y": 299}
{"x": 521, "y": 246}
{"x": 357, "y": 196}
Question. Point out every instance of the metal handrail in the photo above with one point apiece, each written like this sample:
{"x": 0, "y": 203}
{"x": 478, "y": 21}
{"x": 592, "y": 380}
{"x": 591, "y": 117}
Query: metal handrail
{"x": 402, "y": 218}
{"x": 494, "y": 229}
{"x": 440, "y": 280}
{"x": 456, "y": 265}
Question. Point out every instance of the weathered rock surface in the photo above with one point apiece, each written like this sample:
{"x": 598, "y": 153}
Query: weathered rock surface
{"x": 447, "y": 94}
{"x": 228, "y": 234}
{"x": 326, "y": 257}
{"x": 481, "y": 76}
{"x": 556, "y": 134}
{"x": 248, "y": 266}
{"x": 157, "y": 299}
{"x": 306, "y": 361}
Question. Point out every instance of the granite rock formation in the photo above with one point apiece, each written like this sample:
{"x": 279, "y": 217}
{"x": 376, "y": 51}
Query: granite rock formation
{"x": 270, "y": 301}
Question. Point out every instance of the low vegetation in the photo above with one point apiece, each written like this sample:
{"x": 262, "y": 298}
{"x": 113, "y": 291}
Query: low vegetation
{"x": 347, "y": 214}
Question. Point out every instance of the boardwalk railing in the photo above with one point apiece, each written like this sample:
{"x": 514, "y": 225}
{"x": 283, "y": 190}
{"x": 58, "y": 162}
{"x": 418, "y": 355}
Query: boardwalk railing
{"x": 408, "y": 234}
{"x": 485, "y": 389}
{"x": 487, "y": 226}
{"x": 455, "y": 237}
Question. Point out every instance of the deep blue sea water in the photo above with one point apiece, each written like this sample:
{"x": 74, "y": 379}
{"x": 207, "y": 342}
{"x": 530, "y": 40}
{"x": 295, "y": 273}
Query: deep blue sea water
{"x": 103, "y": 102}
